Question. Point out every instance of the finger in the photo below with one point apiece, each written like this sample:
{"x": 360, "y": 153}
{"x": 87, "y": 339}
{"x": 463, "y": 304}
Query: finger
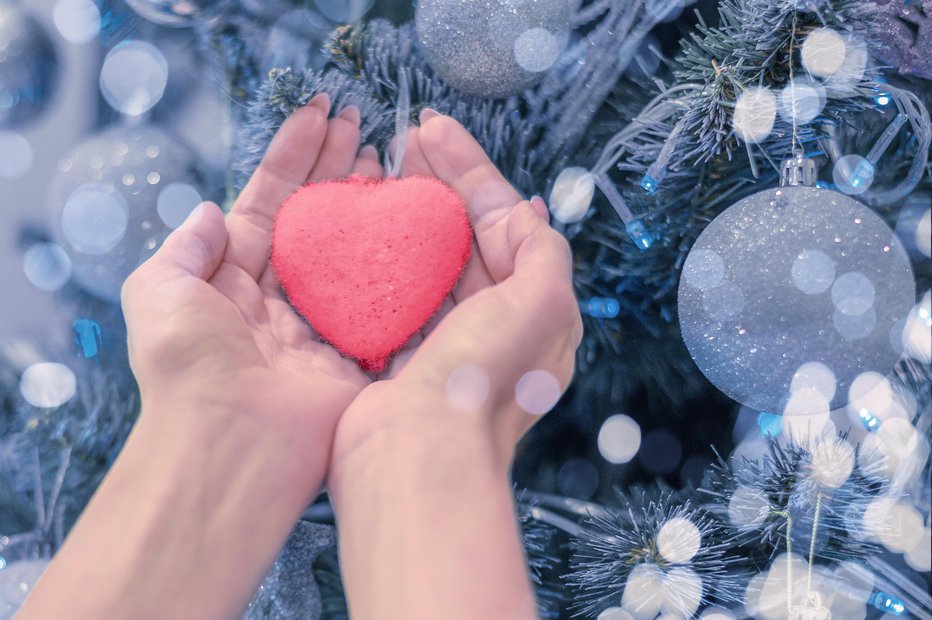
{"x": 191, "y": 253}
{"x": 537, "y": 251}
{"x": 288, "y": 161}
{"x": 475, "y": 276}
{"x": 339, "y": 151}
{"x": 367, "y": 163}
{"x": 557, "y": 249}
{"x": 457, "y": 159}
{"x": 542, "y": 279}
{"x": 195, "y": 248}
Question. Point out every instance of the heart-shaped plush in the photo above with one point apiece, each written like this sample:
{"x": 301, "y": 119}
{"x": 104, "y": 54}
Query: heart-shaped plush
{"x": 367, "y": 262}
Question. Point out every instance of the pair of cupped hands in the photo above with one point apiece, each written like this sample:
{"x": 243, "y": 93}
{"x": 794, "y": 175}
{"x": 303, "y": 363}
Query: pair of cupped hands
{"x": 209, "y": 326}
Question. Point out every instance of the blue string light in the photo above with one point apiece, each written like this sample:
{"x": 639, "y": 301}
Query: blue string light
{"x": 770, "y": 424}
{"x": 600, "y": 307}
{"x": 926, "y": 315}
{"x": 649, "y": 184}
{"x": 862, "y": 174}
{"x": 886, "y": 603}
{"x": 639, "y": 234}
{"x": 87, "y": 337}
{"x": 870, "y": 421}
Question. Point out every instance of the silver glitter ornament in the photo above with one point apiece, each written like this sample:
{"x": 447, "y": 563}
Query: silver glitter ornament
{"x": 492, "y": 48}
{"x": 289, "y": 590}
{"x": 177, "y": 13}
{"x": 115, "y": 199}
{"x": 791, "y": 289}
{"x": 28, "y": 66}
{"x": 16, "y": 582}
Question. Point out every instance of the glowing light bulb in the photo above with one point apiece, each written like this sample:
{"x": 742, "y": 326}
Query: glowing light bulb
{"x": 649, "y": 183}
{"x": 870, "y": 421}
{"x": 600, "y": 307}
{"x": 639, "y": 234}
{"x": 886, "y": 603}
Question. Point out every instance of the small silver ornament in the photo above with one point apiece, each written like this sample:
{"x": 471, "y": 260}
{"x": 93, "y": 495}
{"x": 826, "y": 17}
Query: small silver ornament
{"x": 115, "y": 199}
{"x": 492, "y": 48}
{"x": 794, "y": 287}
{"x": 177, "y": 13}
{"x": 28, "y": 66}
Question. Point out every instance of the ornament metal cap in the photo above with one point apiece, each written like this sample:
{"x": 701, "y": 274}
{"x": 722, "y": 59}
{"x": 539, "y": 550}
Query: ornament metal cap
{"x": 798, "y": 171}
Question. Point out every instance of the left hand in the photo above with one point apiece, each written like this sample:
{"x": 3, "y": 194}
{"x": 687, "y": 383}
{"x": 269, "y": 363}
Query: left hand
{"x": 208, "y": 324}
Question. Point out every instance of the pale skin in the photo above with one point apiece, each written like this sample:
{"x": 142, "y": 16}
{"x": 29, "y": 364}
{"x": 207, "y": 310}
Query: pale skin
{"x": 246, "y": 415}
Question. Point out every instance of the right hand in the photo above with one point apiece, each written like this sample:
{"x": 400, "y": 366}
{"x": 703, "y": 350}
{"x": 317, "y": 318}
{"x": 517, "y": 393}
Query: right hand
{"x": 512, "y": 312}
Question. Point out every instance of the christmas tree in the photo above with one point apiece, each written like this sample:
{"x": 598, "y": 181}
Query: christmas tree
{"x": 746, "y": 188}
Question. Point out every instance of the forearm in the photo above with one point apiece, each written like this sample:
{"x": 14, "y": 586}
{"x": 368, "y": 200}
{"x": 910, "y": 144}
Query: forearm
{"x": 428, "y": 529}
{"x": 185, "y": 524}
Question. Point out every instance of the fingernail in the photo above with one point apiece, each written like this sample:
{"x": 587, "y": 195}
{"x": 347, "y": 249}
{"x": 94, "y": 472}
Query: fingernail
{"x": 427, "y": 114}
{"x": 351, "y": 114}
{"x": 369, "y": 152}
{"x": 320, "y": 101}
{"x": 540, "y": 207}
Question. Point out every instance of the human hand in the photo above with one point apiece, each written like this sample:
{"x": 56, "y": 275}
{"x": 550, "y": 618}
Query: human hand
{"x": 208, "y": 324}
{"x": 427, "y": 448}
{"x": 512, "y": 312}
{"x": 239, "y": 406}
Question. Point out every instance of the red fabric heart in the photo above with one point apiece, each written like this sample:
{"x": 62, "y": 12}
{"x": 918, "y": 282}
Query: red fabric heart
{"x": 367, "y": 262}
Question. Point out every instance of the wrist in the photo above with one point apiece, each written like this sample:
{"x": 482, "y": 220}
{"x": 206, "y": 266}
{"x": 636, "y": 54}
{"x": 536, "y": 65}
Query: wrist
{"x": 385, "y": 426}
{"x": 439, "y": 486}
{"x": 221, "y": 438}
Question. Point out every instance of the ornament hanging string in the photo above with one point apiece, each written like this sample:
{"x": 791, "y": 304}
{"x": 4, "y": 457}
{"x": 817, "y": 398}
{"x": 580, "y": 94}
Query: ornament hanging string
{"x": 395, "y": 157}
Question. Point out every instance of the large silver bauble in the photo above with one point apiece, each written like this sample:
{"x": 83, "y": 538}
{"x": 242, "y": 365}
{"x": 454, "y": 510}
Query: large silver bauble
{"x": 177, "y": 13}
{"x": 492, "y": 48}
{"x": 28, "y": 66}
{"x": 790, "y": 289}
{"x": 115, "y": 199}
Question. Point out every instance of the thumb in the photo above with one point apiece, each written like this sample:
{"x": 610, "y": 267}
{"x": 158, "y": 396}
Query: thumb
{"x": 539, "y": 254}
{"x": 190, "y": 253}
{"x": 196, "y": 247}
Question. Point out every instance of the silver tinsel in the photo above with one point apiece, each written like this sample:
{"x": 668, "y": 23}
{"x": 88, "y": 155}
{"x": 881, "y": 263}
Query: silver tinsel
{"x": 492, "y": 48}
{"x": 794, "y": 290}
